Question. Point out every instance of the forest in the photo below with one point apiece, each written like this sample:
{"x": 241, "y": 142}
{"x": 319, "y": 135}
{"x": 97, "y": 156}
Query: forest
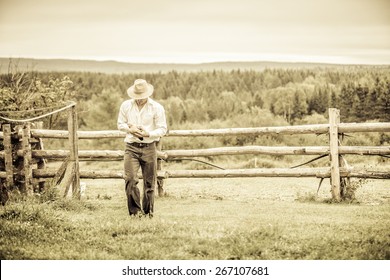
{"x": 209, "y": 99}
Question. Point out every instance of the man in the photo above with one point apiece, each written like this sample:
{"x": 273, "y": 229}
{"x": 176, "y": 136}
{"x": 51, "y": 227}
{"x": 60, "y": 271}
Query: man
{"x": 144, "y": 122}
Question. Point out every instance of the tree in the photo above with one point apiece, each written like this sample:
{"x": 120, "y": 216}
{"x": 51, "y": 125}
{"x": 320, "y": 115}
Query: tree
{"x": 346, "y": 102}
{"x": 101, "y": 111}
{"x": 257, "y": 101}
{"x": 299, "y": 106}
{"x": 334, "y": 100}
{"x": 384, "y": 100}
{"x": 360, "y": 105}
{"x": 271, "y": 80}
{"x": 174, "y": 108}
{"x": 282, "y": 103}
{"x": 24, "y": 95}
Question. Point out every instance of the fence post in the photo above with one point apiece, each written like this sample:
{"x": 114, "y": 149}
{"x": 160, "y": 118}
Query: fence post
{"x": 160, "y": 182}
{"x": 41, "y": 163}
{"x": 9, "y": 169}
{"x": 27, "y": 159}
{"x": 74, "y": 150}
{"x": 334, "y": 120}
{"x": 72, "y": 172}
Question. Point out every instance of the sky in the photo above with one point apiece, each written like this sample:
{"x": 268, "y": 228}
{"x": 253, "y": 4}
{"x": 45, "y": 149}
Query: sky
{"x": 196, "y": 31}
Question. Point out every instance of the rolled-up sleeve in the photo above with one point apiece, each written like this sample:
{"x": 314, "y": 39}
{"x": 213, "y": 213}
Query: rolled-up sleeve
{"x": 122, "y": 118}
{"x": 160, "y": 123}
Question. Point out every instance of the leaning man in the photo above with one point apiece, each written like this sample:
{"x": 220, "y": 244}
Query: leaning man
{"x": 144, "y": 122}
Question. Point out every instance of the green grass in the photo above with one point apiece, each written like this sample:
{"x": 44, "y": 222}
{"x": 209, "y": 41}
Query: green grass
{"x": 248, "y": 218}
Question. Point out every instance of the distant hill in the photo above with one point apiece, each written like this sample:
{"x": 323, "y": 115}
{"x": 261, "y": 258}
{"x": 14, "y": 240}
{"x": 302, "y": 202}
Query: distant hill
{"x": 64, "y": 65}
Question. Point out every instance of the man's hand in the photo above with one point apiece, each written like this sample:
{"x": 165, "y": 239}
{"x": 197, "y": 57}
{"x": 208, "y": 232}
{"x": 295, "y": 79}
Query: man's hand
{"x": 138, "y": 131}
{"x": 143, "y": 131}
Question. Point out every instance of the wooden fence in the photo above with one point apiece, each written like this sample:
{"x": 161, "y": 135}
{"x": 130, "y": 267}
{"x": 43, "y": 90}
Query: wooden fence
{"x": 69, "y": 174}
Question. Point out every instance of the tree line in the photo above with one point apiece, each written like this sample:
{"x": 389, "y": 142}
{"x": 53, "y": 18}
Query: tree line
{"x": 281, "y": 96}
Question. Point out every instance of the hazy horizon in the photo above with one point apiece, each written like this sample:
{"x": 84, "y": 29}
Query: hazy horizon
{"x": 174, "y": 31}
{"x": 98, "y": 60}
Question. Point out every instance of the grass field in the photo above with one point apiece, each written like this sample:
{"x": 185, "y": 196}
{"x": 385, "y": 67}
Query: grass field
{"x": 250, "y": 218}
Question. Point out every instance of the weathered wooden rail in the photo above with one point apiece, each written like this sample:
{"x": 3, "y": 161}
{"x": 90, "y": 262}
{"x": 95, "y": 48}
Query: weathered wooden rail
{"x": 253, "y": 150}
{"x": 297, "y": 129}
{"x": 22, "y": 170}
{"x": 334, "y": 129}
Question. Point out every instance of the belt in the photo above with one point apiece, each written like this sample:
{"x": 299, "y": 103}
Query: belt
{"x": 140, "y": 145}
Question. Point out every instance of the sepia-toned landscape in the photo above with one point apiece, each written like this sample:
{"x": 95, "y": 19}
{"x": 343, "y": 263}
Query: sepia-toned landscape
{"x": 207, "y": 218}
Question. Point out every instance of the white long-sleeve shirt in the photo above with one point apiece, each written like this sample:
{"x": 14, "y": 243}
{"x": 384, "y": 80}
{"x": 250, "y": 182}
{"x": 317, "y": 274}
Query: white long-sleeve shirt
{"x": 151, "y": 117}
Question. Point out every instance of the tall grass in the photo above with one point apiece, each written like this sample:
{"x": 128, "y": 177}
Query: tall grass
{"x": 251, "y": 218}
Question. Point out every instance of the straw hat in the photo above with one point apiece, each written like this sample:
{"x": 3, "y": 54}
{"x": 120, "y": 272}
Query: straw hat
{"x": 140, "y": 89}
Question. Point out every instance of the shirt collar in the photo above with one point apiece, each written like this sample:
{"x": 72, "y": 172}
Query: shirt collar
{"x": 133, "y": 101}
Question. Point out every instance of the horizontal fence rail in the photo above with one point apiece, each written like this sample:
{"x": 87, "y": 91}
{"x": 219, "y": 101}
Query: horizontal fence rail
{"x": 298, "y": 129}
{"x": 319, "y": 172}
{"x": 171, "y": 154}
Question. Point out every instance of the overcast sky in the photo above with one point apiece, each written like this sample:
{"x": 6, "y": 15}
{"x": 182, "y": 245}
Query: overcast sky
{"x": 336, "y": 31}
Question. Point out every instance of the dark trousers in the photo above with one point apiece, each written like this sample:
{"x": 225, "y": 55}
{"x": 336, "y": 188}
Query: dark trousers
{"x": 146, "y": 159}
